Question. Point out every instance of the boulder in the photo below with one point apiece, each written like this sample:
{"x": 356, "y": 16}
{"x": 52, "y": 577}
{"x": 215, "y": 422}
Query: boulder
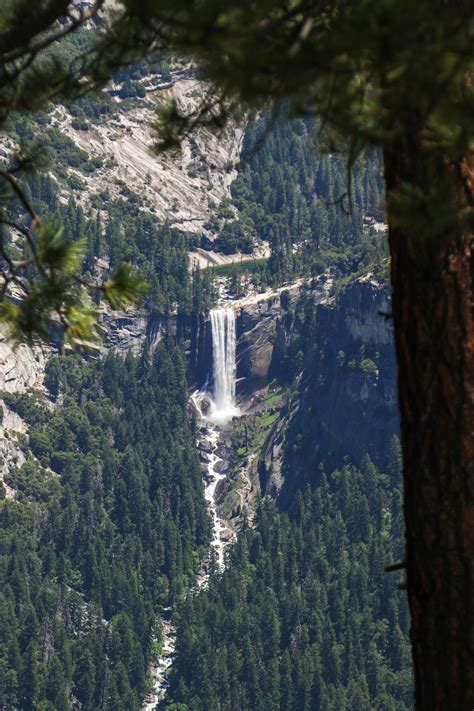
{"x": 226, "y": 535}
{"x": 205, "y": 405}
{"x": 205, "y": 446}
{"x": 208, "y": 477}
{"x": 221, "y": 467}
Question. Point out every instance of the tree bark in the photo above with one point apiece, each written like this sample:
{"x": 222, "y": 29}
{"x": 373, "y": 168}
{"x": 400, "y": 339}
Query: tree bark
{"x": 433, "y": 312}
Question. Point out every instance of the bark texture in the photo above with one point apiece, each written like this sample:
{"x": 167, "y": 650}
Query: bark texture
{"x": 433, "y": 311}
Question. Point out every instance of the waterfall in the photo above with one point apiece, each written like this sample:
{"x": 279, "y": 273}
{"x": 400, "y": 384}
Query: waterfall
{"x": 222, "y": 408}
{"x": 223, "y": 351}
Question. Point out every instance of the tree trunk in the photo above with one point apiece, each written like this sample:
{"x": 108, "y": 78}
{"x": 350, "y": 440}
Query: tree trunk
{"x": 433, "y": 313}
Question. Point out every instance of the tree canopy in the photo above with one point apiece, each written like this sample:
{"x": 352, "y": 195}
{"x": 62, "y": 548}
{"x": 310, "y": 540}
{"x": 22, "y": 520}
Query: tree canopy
{"x": 391, "y": 73}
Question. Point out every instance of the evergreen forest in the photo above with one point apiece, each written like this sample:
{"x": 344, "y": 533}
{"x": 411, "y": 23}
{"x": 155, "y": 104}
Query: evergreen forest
{"x": 107, "y": 529}
{"x": 304, "y": 617}
{"x": 104, "y": 522}
{"x": 293, "y": 192}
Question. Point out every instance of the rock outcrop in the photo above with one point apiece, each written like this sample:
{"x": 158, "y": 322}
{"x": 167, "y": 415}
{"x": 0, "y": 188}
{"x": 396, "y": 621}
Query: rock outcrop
{"x": 21, "y": 367}
{"x": 257, "y": 337}
{"x": 264, "y": 326}
{"x": 11, "y": 454}
{"x": 183, "y": 189}
{"x": 127, "y": 332}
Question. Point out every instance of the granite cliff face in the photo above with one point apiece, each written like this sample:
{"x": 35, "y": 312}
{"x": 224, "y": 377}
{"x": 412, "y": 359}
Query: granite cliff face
{"x": 21, "y": 368}
{"x": 346, "y": 404}
{"x": 181, "y": 189}
{"x": 349, "y": 386}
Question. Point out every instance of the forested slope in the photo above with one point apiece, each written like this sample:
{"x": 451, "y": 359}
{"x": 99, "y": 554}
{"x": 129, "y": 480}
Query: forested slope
{"x": 108, "y": 526}
{"x": 304, "y": 617}
{"x": 293, "y": 192}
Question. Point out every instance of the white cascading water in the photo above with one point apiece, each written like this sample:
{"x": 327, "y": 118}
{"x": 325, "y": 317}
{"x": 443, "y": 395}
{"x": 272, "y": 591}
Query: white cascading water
{"x": 222, "y": 409}
{"x": 223, "y": 351}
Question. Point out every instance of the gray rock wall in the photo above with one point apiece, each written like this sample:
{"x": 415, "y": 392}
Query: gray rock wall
{"x": 21, "y": 367}
{"x": 257, "y": 329}
{"x": 347, "y": 400}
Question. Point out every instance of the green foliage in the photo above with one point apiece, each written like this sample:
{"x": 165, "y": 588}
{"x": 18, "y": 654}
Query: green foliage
{"x": 121, "y": 289}
{"x": 48, "y": 277}
{"x": 303, "y": 617}
{"x": 361, "y": 67}
{"x": 31, "y": 482}
{"x": 288, "y": 192}
{"x": 93, "y": 549}
{"x": 368, "y": 365}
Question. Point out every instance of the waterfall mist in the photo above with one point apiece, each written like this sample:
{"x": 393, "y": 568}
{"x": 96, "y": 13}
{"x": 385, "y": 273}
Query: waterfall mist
{"x": 223, "y": 350}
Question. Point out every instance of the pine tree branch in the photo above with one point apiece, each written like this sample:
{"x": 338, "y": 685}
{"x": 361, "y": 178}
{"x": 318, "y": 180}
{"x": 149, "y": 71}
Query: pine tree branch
{"x": 74, "y": 24}
{"x": 395, "y": 566}
{"x": 22, "y": 33}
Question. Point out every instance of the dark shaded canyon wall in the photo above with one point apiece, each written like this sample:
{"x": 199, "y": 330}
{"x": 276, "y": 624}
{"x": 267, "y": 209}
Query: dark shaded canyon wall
{"x": 346, "y": 404}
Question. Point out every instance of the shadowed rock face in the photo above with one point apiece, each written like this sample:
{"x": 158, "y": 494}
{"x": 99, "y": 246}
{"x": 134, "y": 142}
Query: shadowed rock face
{"x": 347, "y": 404}
{"x": 350, "y": 388}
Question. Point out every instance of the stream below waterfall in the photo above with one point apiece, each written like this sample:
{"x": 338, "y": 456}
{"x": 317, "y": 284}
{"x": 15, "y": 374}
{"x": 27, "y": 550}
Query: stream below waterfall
{"x": 211, "y": 428}
{"x": 209, "y": 439}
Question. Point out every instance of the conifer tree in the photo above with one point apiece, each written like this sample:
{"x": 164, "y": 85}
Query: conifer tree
{"x": 392, "y": 73}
